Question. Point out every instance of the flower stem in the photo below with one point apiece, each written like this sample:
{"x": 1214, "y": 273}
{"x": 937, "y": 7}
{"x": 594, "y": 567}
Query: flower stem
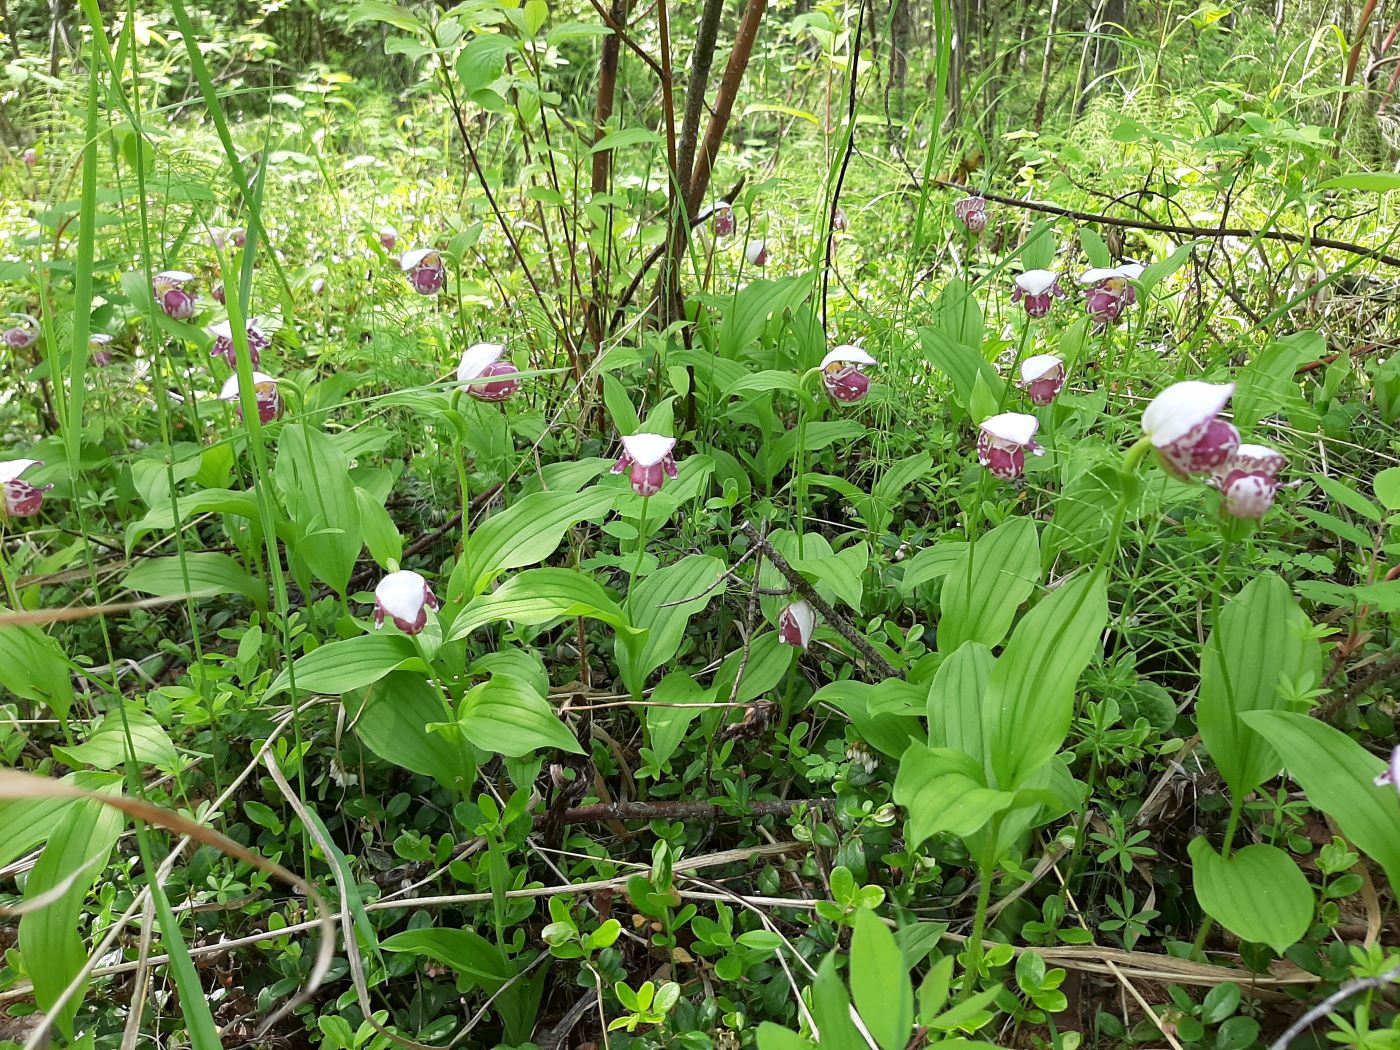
{"x": 641, "y": 553}
{"x": 986, "y": 869}
{"x": 1132, "y": 459}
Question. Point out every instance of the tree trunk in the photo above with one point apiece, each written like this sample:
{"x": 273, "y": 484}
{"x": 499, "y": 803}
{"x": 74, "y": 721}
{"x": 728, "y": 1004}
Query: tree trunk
{"x": 602, "y": 168}
{"x": 899, "y": 53}
{"x": 1045, "y": 66}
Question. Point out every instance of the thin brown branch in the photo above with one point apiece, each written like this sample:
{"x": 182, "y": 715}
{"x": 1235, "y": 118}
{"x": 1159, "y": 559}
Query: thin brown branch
{"x": 724, "y": 101}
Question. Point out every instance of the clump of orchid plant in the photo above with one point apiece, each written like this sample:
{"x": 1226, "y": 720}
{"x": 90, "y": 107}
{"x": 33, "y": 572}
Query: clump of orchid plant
{"x": 1003, "y": 442}
{"x": 649, "y": 460}
{"x": 258, "y": 341}
{"x": 972, "y": 213}
{"x": 1184, "y": 425}
{"x": 1042, "y": 377}
{"x": 485, "y": 376}
{"x": 842, "y": 374}
{"x": 425, "y": 270}
{"x": 170, "y": 293}
{"x": 1248, "y": 480}
{"x": 23, "y": 335}
{"x": 757, "y": 253}
{"x": 1109, "y": 289}
{"x": 405, "y": 598}
{"x": 21, "y": 499}
{"x": 796, "y": 624}
{"x": 1037, "y": 290}
{"x": 265, "y": 395}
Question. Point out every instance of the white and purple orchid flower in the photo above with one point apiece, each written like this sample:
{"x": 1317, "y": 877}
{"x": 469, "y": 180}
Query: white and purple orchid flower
{"x": 405, "y": 598}
{"x": 98, "y": 352}
{"x": 425, "y": 270}
{"x": 757, "y": 253}
{"x": 1248, "y": 480}
{"x": 843, "y": 376}
{"x": 258, "y": 341}
{"x": 649, "y": 459}
{"x": 721, "y": 217}
{"x": 1390, "y": 776}
{"x": 170, "y": 293}
{"x": 1003, "y": 442}
{"x": 1184, "y": 425}
{"x": 839, "y": 221}
{"x": 218, "y": 293}
{"x": 1037, "y": 290}
{"x": 1042, "y": 376}
{"x": 318, "y": 286}
{"x": 30, "y": 157}
{"x": 21, "y": 499}
{"x": 1108, "y": 289}
{"x": 388, "y": 238}
{"x": 265, "y": 394}
{"x": 796, "y": 624}
{"x": 972, "y": 213}
{"x": 485, "y": 375}
{"x": 23, "y": 335}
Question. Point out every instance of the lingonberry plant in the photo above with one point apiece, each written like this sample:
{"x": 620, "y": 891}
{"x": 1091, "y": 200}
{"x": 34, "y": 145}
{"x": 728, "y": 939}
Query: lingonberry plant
{"x": 664, "y": 533}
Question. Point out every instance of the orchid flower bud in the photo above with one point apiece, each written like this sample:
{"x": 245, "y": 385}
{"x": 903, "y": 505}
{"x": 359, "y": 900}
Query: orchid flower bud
{"x": 425, "y": 269}
{"x": 796, "y": 624}
{"x": 388, "y": 238}
{"x": 1042, "y": 376}
{"x": 1037, "y": 289}
{"x": 23, "y": 335}
{"x": 482, "y": 362}
{"x": 265, "y": 394}
{"x": 97, "y": 347}
{"x": 21, "y": 498}
{"x": 1184, "y": 426}
{"x": 1390, "y": 776}
{"x": 318, "y": 286}
{"x": 648, "y": 457}
{"x": 972, "y": 213}
{"x": 1109, "y": 289}
{"x": 757, "y": 253}
{"x": 1004, "y": 441}
{"x": 177, "y": 303}
{"x": 30, "y": 157}
{"x": 842, "y": 375}
{"x": 258, "y": 341}
{"x": 218, "y": 293}
{"x": 1248, "y": 481}
{"x": 405, "y": 598}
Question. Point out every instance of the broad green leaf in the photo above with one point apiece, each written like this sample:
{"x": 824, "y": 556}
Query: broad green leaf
{"x": 507, "y": 716}
{"x": 955, "y": 712}
{"x": 873, "y": 710}
{"x": 753, "y": 304}
{"x": 1157, "y": 272}
{"x": 943, "y": 790}
{"x": 624, "y": 137}
{"x": 161, "y": 518}
{"x": 995, "y": 575}
{"x": 1030, "y": 692}
{"x": 74, "y": 858}
{"x": 106, "y": 746}
{"x": 1084, "y": 512}
{"x": 537, "y": 597}
{"x": 1094, "y": 248}
{"x": 1268, "y": 385}
{"x": 1338, "y": 775}
{"x": 1387, "y": 488}
{"x": 525, "y": 533}
{"x": 620, "y": 408}
{"x": 471, "y": 955}
{"x": 831, "y": 1008}
{"x": 775, "y": 1037}
{"x": 769, "y": 660}
{"x": 389, "y": 14}
{"x": 1368, "y": 181}
{"x": 843, "y": 572}
{"x": 314, "y": 479}
{"x": 392, "y": 719}
{"x": 958, "y": 314}
{"x": 380, "y": 533}
{"x": 1347, "y": 496}
{"x": 482, "y": 61}
{"x": 1261, "y": 639}
{"x": 764, "y": 382}
{"x": 24, "y": 823}
{"x": 931, "y": 563}
{"x": 961, "y": 364}
{"x": 32, "y": 666}
{"x": 1257, "y": 893}
{"x": 663, "y": 604}
{"x": 668, "y": 725}
{"x": 880, "y": 984}
{"x": 207, "y": 573}
{"x": 353, "y": 663}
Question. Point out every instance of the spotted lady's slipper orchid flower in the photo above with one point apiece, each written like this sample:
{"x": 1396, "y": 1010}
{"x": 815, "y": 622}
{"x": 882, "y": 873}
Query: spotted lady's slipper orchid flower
{"x": 482, "y": 362}
{"x": 405, "y": 598}
{"x": 425, "y": 269}
{"x": 239, "y": 236}
{"x": 23, "y": 335}
{"x": 21, "y": 498}
{"x": 1248, "y": 480}
{"x": 721, "y": 216}
{"x": 389, "y": 238}
{"x": 1037, "y": 289}
{"x": 1042, "y": 376}
{"x": 842, "y": 374}
{"x": 1004, "y": 441}
{"x": 796, "y": 624}
{"x": 318, "y": 286}
{"x": 177, "y": 303}
{"x": 30, "y": 157}
{"x": 98, "y": 352}
{"x": 1391, "y": 775}
{"x": 649, "y": 458}
{"x": 1108, "y": 289}
{"x": 839, "y": 221}
{"x": 972, "y": 213}
{"x": 756, "y": 253}
{"x": 258, "y": 341}
{"x": 1184, "y": 425}
{"x": 265, "y": 395}
{"x": 218, "y": 293}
